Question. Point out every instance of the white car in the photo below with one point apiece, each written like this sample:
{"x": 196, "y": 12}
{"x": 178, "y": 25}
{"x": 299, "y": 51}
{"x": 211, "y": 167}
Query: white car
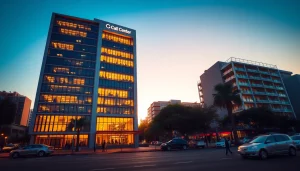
{"x": 221, "y": 143}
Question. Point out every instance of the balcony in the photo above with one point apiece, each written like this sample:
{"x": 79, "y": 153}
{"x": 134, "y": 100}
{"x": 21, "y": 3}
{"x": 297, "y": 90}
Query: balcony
{"x": 228, "y": 79}
{"x": 248, "y": 100}
{"x": 274, "y": 74}
{"x": 262, "y": 101}
{"x": 284, "y": 102}
{"x": 228, "y": 71}
{"x": 259, "y": 92}
{"x": 241, "y": 76}
{"x": 276, "y": 109}
{"x": 279, "y": 88}
{"x": 252, "y": 70}
{"x": 272, "y": 94}
{"x": 268, "y": 86}
{"x": 239, "y": 69}
{"x": 287, "y": 110}
{"x": 246, "y": 92}
{"x": 277, "y": 81}
{"x": 266, "y": 79}
{"x": 253, "y": 77}
{"x": 264, "y": 72}
{"x": 257, "y": 85}
{"x": 275, "y": 101}
{"x": 243, "y": 84}
{"x": 282, "y": 95}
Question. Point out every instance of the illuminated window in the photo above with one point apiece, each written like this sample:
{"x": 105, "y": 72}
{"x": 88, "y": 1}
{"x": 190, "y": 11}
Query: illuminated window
{"x": 73, "y": 33}
{"x": 78, "y": 81}
{"x": 117, "y": 38}
{"x": 112, "y": 93}
{"x": 114, "y": 124}
{"x": 61, "y": 70}
{"x": 116, "y": 76}
{"x": 64, "y": 46}
{"x": 116, "y": 53}
{"x": 114, "y": 102}
{"x": 53, "y": 123}
{"x": 117, "y": 61}
{"x": 73, "y": 25}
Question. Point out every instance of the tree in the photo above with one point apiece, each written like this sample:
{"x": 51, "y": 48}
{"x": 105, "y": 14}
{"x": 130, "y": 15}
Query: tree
{"x": 77, "y": 125}
{"x": 225, "y": 97}
{"x": 257, "y": 118}
{"x": 142, "y": 129}
{"x": 201, "y": 119}
{"x": 8, "y": 110}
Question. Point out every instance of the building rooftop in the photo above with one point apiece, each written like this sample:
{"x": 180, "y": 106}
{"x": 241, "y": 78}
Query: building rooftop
{"x": 245, "y": 61}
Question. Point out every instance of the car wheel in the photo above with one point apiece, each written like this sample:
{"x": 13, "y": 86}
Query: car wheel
{"x": 292, "y": 151}
{"x": 41, "y": 154}
{"x": 15, "y": 155}
{"x": 169, "y": 148}
{"x": 263, "y": 154}
{"x": 184, "y": 147}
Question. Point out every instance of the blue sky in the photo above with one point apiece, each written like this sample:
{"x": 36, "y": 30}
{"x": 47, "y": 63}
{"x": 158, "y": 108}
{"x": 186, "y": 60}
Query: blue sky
{"x": 176, "y": 40}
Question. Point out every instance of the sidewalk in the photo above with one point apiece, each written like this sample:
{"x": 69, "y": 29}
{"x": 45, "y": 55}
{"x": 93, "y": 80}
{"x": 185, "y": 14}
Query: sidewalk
{"x": 98, "y": 151}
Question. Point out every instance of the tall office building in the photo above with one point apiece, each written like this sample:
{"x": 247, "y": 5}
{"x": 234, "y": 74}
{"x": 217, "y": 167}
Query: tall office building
{"x": 88, "y": 71}
{"x": 156, "y": 107}
{"x": 260, "y": 85}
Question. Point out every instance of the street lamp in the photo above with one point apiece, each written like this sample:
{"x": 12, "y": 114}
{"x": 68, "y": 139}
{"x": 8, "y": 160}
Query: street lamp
{"x": 2, "y": 134}
{"x": 5, "y": 140}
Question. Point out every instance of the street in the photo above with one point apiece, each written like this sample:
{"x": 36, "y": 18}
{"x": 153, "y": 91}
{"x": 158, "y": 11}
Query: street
{"x": 206, "y": 159}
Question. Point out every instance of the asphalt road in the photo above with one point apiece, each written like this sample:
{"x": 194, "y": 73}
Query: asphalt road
{"x": 206, "y": 159}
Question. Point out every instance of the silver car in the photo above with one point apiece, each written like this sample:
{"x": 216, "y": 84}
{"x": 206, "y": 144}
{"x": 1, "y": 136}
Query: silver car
{"x": 39, "y": 150}
{"x": 296, "y": 139}
{"x": 266, "y": 145}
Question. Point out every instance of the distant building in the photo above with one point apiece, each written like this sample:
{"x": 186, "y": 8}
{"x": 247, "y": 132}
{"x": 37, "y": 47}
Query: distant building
{"x": 292, "y": 85}
{"x": 18, "y": 128}
{"x": 23, "y": 106}
{"x": 155, "y": 107}
{"x": 260, "y": 85}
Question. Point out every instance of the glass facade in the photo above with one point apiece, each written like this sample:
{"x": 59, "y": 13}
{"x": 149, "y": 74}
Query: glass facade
{"x": 76, "y": 74}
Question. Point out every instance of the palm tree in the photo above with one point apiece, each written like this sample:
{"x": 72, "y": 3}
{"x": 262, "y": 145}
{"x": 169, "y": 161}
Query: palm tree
{"x": 225, "y": 97}
{"x": 78, "y": 125}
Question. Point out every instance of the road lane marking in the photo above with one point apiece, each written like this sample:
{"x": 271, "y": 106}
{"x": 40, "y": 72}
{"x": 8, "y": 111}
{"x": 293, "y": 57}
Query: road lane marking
{"x": 185, "y": 162}
{"x": 149, "y": 165}
{"x": 103, "y": 169}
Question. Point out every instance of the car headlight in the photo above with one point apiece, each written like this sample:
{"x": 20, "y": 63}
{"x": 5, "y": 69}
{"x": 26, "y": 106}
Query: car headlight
{"x": 252, "y": 148}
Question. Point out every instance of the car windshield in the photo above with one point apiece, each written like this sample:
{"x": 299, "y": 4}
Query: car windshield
{"x": 259, "y": 139}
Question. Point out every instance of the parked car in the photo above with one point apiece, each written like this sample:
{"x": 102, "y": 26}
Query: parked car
{"x": 247, "y": 139}
{"x": 175, "y": 143}
{"x": 221, "y": 143}
{"x": 9, "y": 147}
{"x": 39, "y": 150}
{"x": 296, "y": 139}
{"x": 266, "y": 145}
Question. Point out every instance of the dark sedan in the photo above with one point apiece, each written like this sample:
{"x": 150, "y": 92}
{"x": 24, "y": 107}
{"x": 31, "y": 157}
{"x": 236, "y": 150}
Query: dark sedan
{"x": 175, "y": 143}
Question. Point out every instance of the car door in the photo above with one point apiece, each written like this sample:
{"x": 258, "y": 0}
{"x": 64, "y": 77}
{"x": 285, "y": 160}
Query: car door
{"x": 281, "y": 144}
{"x": 26, "y": 150}
{"x": 175, "y": 143}
{"x": 270, "y": 145}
